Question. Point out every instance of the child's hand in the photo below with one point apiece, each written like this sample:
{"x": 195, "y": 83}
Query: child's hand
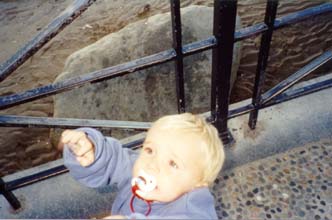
{"x": 80, "y": 145}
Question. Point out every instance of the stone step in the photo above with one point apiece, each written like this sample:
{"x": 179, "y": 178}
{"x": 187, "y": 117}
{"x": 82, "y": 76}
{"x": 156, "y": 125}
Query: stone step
{"x": 296, "y": 184}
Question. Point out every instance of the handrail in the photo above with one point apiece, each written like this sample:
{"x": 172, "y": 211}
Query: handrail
{"x": 47, "y": 122}
{"x": 283, "y": 97}
{"x": 301, "y": 15}
{"x": 297, "y": 76}
{"x": 50, "y": 31}
{"x": 28, "y": 180}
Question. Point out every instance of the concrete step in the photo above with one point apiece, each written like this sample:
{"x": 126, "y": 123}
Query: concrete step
{"x": 296, "y": 184}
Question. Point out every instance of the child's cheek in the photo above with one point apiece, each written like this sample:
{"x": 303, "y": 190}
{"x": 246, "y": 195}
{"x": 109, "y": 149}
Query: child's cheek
{"x": 136, "y": 168}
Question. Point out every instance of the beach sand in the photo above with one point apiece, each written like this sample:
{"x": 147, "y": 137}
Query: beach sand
{"x": 20, "y": 148}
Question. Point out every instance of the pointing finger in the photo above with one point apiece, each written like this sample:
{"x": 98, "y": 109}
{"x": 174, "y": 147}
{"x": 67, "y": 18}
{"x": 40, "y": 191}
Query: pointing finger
{"x": 72, "y": 136}
{"x": 86, "y": 159}
{"x": 84, "y": 146}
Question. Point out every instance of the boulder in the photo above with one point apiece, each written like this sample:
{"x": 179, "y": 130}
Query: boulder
{"x": 147, "y": 94}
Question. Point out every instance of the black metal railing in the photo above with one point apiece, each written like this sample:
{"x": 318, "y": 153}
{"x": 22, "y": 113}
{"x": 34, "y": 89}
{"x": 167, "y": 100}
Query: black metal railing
{"x": 52, "y": 29}
{"x": 222, "y": 42}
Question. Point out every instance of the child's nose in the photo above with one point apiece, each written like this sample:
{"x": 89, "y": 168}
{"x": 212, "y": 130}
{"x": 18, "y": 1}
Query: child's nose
{"x": 152, "y": 167}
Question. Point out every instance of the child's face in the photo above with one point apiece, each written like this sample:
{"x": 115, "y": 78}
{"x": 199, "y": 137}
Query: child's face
{"x": 174, "y": 159}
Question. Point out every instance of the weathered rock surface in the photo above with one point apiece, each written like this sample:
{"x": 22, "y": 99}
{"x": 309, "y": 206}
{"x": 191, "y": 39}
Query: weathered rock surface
{"x": 143, "y": 95}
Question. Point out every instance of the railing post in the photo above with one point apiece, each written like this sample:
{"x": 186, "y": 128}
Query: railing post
{"x": 222, "y": 56}
{"x": 11, "y": 198}
{"x": 177, "y": 45}
{"x": 270, "y": 14}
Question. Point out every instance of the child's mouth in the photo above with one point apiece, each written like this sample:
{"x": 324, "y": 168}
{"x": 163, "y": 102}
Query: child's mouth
{"x": 145, "y": 182}
{"x": 141, "y": 186}
{"x": 143, "y": 179}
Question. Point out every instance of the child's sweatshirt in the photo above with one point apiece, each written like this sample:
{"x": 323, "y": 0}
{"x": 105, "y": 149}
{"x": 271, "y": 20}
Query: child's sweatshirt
{"x": 113, "y": 166}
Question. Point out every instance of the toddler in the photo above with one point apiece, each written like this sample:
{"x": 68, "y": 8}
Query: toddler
{"x": 168, "y": 178}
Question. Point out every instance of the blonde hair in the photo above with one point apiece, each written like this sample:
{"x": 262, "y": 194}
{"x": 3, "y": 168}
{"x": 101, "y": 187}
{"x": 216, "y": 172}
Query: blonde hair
{"x": 211, "y": 146}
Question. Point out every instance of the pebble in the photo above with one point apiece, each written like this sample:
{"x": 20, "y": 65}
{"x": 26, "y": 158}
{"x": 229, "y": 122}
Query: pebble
{"x": 277, "y": 189}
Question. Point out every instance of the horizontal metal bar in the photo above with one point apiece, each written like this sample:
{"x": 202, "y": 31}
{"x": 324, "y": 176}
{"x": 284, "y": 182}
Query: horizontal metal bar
{"x": 240, "y": 111}
{"x": 250, "y": 31}
{"x": 210, "y": 42}
{"x": 301, "y": 15}
{"x": 145, "y": 62}
{"x": 134, "y": 144}
{"x": 50, "y": 31}
{"x": 107, "y": 73}
{"x": 286, "y": 96}
{"x": 28, "y": 180}
{"x": 46, "y": 122}
{"x": 298, "y": 92}
{"x": 199, "y": 46}
{"x": 297, "y": 76}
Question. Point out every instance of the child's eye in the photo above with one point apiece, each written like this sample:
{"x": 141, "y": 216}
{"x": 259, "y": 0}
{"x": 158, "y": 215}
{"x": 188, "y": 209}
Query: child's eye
{"x": 148, "y": 150}
{"x": 173, "y": 164}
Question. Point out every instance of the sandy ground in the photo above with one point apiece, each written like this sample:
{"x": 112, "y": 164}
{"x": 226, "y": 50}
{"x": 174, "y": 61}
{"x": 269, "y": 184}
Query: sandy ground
{"x": 20, "y": 148}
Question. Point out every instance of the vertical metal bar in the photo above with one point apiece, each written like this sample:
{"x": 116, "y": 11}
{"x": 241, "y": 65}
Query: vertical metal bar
{"x": 11, "y": 198}
{"x": 177, "y": 44}
{"x": 270, "y": 14}
{"x": 215, "y": 59}
{"x": 223, "y": 30}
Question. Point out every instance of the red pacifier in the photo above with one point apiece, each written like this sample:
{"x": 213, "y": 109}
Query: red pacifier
{"x": 144, "y": 183}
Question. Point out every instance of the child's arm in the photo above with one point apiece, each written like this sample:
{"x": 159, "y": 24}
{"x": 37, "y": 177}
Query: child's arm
{"x": 109, "y": 163}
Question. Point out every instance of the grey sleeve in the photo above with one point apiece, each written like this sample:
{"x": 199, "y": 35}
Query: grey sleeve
{"x": 113, "y": 164}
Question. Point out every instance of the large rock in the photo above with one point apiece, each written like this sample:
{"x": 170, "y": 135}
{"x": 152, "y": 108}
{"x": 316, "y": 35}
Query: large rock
{"x": 143, "y": 95}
